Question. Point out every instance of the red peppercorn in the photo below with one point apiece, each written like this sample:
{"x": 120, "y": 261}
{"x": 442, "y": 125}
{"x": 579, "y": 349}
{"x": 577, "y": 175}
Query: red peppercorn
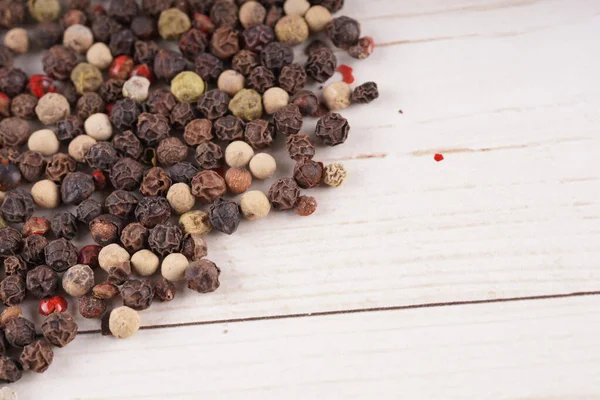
{"x": 109, "y": 108}
{"x": 53, "y": 304}
{"x": 4, "y": 105}
{"x": 99, "y": 179}
{"x": 203, "y": 22}
{"x": 88, "y": 255}
{"x": 39, "y": 85}
{"x": 142, "y": 70}
{"x": 46, "y": 307}
{"x": 60, "y": 303}
{"x": 120, "y": 68}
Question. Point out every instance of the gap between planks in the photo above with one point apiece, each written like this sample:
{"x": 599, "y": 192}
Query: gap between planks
{"x": 361, "y": 311}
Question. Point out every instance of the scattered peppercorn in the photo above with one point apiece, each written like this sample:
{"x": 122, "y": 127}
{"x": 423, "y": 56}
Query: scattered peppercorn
{"x": 202, "y": 276}
{"x": 59, "y": 329}
{"x": 105, "y": 229}
{"x": 165, "y": 239}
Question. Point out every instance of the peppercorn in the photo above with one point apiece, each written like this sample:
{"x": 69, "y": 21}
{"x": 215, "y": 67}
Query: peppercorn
{"x": 187, "y": 87}
{"x": 128, "y": 145}
{"x": 292, "y": 30}
{"x": 39, "y": 85}
{"x": 101, "y": 156}
{"x": 79, "y": 38}
{"x": 105, "y": 229}
{"x": 105, "y": 291}
{"x": 224, "y": 13}
{"x": 104, "y": 27}
{"x": 238, "y": 154}
{"x": 126, "y": 174}
{"x": 156, "y": 182}
{"x": 337, "y": 96}
{"x": 6, "y": 55}
{"x": 9, "y": 155}
{"x": 124, "y": 322}
{"x": 288, "y": 120}
{"x": 259, "y": 133}
{"x": 122, "y": 10}
{"x": 36, "y": 356}
{"x": 252, "y": 13}
{"x": 35, "y": 226}
{"x": 33, "y": 249}
{"x": 144, "y": 262}
{"x": 292, "y": 78}
{"x": 152, "y": 128}
{"x": 91, "y": 307}
{"x": 182, "y": 172}
{"x": 99, "y": 55}
{"x": 86, "y": 78}
{"x": 245, "y": 61}
{"x": 60, "y": 165}
{"x": 343, "y": 32}
{"x": 334, "y": 174}
{"x": 213, "y": 104}
{"x": 137, "y": 294}
{"x": 261, "y": 79}
{"x": 209, "y": 155}
{"x": 317, "y": 17}
{"x": 152, "y": 211}
{"x": 194, "y": 246}
{"x": 225, "y": 42}
{"x": 363, "y": 49}
{"x": 121, "y": 203}
{"x": 59, "y": 61}
{"x": 321, "y": 64}
{"x": 45, "y": 35}
{"x": 173, "y": 267}
{"x": 9, "y": 371}
{"x": 88, "y": 255}
{"x": 69, "y": 127}
{"x": 59, "y": 329}
{"x": 207, "y": 186}
{"x": 229, "y": 128}
{"x": 143, "y": 26}
{"x": 197, "y": 132}
{"x": 4, "y": 104}
{"x": 167, "y": 64}
{"x": 257, "y": 37}
{"x": 125, "y": 114}
{"x": 332, "y": 129}
{"x": 89, "y": 104}
{"x": 263, "y": 166}
{"x": 44, "y": 10}
{"x": 12, "y": 81}
{"x": 208, "y": 67}
{"x": 164, "y": 289}
{"x": 12, "y": 13}
{"x": 14, "y": 265}
{"x": 31, "y": 165}
{"x": 172, "y": 23}
{"x": 134, "y": 237}
{"x": 192, "y": 43}
{"x": 120, "y": 68}
{"x": 224, "y": 215}
{"x": 307, "y": 173}
{"x": 296, "y": 7}
{"x": 247, "y": 105}
{"x": 23, "y": 106}
{"x": 201, "y": 21}
{"x": 11, "y": 241}
{"x": 68, "y": 90}
{"x": 300, "y": 146}
{"x": 144, "y": 51}
{"x": 19, "y": 331}
{"x": 195, "y": 222}
{"x": 284, "y": 194}
{"x": 14, "y": 131}
{"x": 76, "y": 187}
{"x": 238, "y": 180}
{"x": 10, "y": 177}
{"x": 182, "y": 114}
{"x": 202, "y": 276}
{"x": 365, "y": 93}
{"x": 42, "y": 281}
{"x": 274, "y": 99}
{"x": 64, "y": 225}
{"x": 165, "y": 239}
{"x": 136, "y": 88}
{"x": 43, "y": 141}
{"x": 79, "y": 147}
{"x": 78, "y": 280}
{"x": 13, "y": 290}
{"x": 74, "y": 17}
{"x": 60, "y": 254}
{"x": 17, "y": 206}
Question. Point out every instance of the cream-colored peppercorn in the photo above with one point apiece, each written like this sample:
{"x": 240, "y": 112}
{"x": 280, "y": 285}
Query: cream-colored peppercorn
{"x": 173, "y": 267}
{"x": 247, "y": 105}
{"x": 99, "y": 55}
{"x": 317, "y": 18}
{"x": 180, "y": 198}
{"x": 231, "y": 81}
{"x": 292, "y": 30}
{"x": 334, "y": 174}
{"x": 98, "y": 126}
{"x": 187, "y": 87}
{"x": 79, "y": 38}
{"x": 44, "y": 141}
{"x": 111, "y": 256}
{"x": 51, "y": 108}
{"x": 7, "y": 393}
{"x": 252, "y": 13}
{"x": 337, "y": 96}
{"x": 17, "y": 40}
{"x": 238, "y": 154}
{"x": 144, "y": 262}
{"x": 255, "y": 205}
{"x": 136, "y": 88}
{"x": 263, "y": 166}
{"x": 79, "y": 147}
{"x": 275, "y": 99}
{"x": 78, "y": 280}
{"x": 124, "y": 322}
{"x": 296, "y": 7}
{"x": 172, "y": 23}
{"x": 195, "y": 222}
{"x": 238, "y": 180}
{"x": 45, "y": 194}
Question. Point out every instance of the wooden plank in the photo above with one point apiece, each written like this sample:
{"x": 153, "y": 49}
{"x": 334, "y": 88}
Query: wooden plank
{"x": 520, "y": 350}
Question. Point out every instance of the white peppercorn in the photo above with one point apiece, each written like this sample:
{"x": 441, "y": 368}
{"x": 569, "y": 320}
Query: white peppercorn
{"x": 44, "y": 141}
{"x": 195, "y": 222}
{"x": 46, "y": 194}
{"x": 263, "y": 166}
{"x": 255, "y": 205}
{"x": 334, "y": 174}
{"x": 79, "y": 147}
{"x": 51, "y": 108}
{"x": 180, "y": 198}
{"x": 136, "y": 88}
{"x": 292, "y": 30}
{"x": 275, "y": 99}
{"x": 111, "y": 256}
{"x": 98, "y": 126}
{"x": 78, "y": 37}
{"x": 231, "y": 82}
{"x": 78, "y": 280}
{"x": 173, "y": 267}
{"x": 17, "y": 40}
{"x": 124, "y": 322}
{"x": 296, "y": 7}
{"x": 252, "y": 13}
{"x": 99, "y": 55}
{"x": 144, "y": 262}
{"x": 337, "y": 96}
{"x": 317, "y": 18}
{"x": 238, "y": 154}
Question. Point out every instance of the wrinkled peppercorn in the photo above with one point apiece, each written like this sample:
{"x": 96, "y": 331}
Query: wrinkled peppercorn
{"x": 209, "y": 155}
{"x": 59, "y": 166}
{"x": 76, "y": 187}
{"x": 10, "y": 177}
{"x": 192, "y": 43}
{"x": 69, "y": 127}
{"x": 284, "y": 194}
{"x": 167, "y": 64}
{"x": 9, "y": 371}
{"x": 105, "y": 229}
{"x": 152, "y": 128}
{"x": 144, "y": 51}
{"x": 125, "y": 113}
{"x": 161, "y": 101}
{"x": 274, "y": 15}
{"x": 261, "y": 79}
{"x": 64, "y": 225}
{"x": 300, "y": 146}
{"x": 288, "y": 120}
{"x": 164, "y": 289}
{"x": 182, "y": 172}
{"x": 126, "y": 174}
{"x": 321, "y": 64}
{"x": 12, "y": 81}
{"x": 23, "y": 106}
{"x": 208, "y": 186}
{"x": 88, "y": 104}
{"x": 128, "y": 145}
{"x": 332, "y": 129}
{"x": 307, "y": 173}
{"x": 9, "y": 155}
{"x": 365, "y": 93}
{"x": 182, "y": 114}
{"x": 11, "y": 241}
{"x": 122, "y": 10}
{"x": 102, "y": 156}
{"x": 343, "y": 32}
{"x": 121, "y": 203}
{"x": 14, "y": 265}
{"x": 17, "y": 206}
{"x": 59, "y": 329}
{"x": 255, "y": 38}
{"x": 276, "y": 55}
{"x": 32, "y": 165}
{"x": 171, "y": 151}
{"x": 134, "y": 237}
{"x": 45, "y": 35}
{"x": 6, "y": 56}
{"x": 165, "y": 239}
{"x": 259, "y": 133}
{"x": 197, "y": 132}
{"x": 60, "y": 254}
{"x": 292, "y": 78}
{"x": 202, "y": 276}
{"x": 229, "y": 128}
{"x": 137, "y": 294}
{"x": 156, "y": 182}
{"x": 42, "y": 281}
{"x": 224, "y": 215}
{"x": 193, "y": 246}
{"x": 103, "y": 27}
{"x": 59, "y": 61}
{"x": 152, "y": 211}
{"x": 88, "y": 255}
{"x": 245, "y": 61}
{"x": 208, "y": 67}
{"x": 36, "y": 356}
{"x": 14, "y": 131}
{"x": 13, "y": 290}
{"x": 224, "y": 13}
{"x": 91, "y": 306}
{"x": 19, "y": 331}
{"x": 213, "y": 104}
{"x": 33, "y": 249}
{"x": 87, "y": 210}
{"x": 143, "y": 26}
{"x": 111, "y": 90}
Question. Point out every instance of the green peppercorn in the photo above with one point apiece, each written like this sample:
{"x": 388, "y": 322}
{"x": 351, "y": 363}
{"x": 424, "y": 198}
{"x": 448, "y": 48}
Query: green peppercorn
{"x": 187, "y": 87}
{"x": 247, "y": 105}
{"x": 172, "y": 23}
{"x": 86, "y": 78}
{"x": 44, "y": 10}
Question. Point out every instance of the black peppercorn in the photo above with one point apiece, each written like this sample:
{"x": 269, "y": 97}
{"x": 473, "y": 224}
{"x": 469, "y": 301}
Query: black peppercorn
{"x": 60, "y": 254}
{"x": 192, "y": 43}
{"x": 256, "y": 37}
{"x": 19, "y": 331}
{"x": 224, "y": 13}
{"x": 213, "y": 104}
{"x": 144, "y": 51}
{"x": 32, "y": 165}
{"x": 106, "y": 229}
{"x": 284, "y": 194}
{"x": 9, "y": 371}
{"x": 202, "y": 276}
{"x": 119, "y": 273}
{"x": 89, "y": 103}
{"x": 137, "y": 294}
{"x": 87, "y": 210}
{"x": 111, "y": 90}
{"x": 64, "y": 225}
{"x": 126, "y": 174}
{"x": 208, "y": 67}
{"x": 69, "y": 127}
{"x": 152, "y": 211}
{"x": 259, "y": 133}
{"x": 33, "y": 249}
{"x": 274, "y": 15}
{"x": 292, "y": 78}
{"x": 122, "y": 43}
{"x": 300, "y": 146}
{"x": 321, "y": 64}
{"x": 276, "y": 55}
{"x": 121, "y": 203}
{"x": 128, "y": 145}
{"x": 155, "y": 7}
{"x": 23, "y": 106}
{"x": 343, "y": 32}
{"x": 134, "y": 237}
{"x": 261, "y": 79}
{"x": 14, "y": 265}
{"x": 164, "y": 289}
{"x": 45, "y": 35}
{"x": 91, "y": 307}
{"x": 125, "y": 113}
{"x": 156, "y": 182}
{"x": 182, "y": 114}
{"x": 12, "y": 81}
{"x": 11, "y": 241}
{"x": 182, "y": 172}
{"x": 209, "y": 155}
{"x": 167, "y": 64}
{"x": 152, "y": 128}
{"x": 17, "y": 206}
{"x": 10, "y": 177}
{"x": 229, "y": 128}
{"x": 122, "y": 10}
{"x": 102, "y": 156}
{"x": 76, "y": 187}
{"x": 36, "y": 356}
{"x": 365, "y": 93}
{"x": 245, "y": 61}
{"x": 42, "y": 281}
{"x": 13, "y": 290}
{"x": 332, "y": 129}
{"x": 161, "y": 101}
{"x": 103, "y": 27}
{"x": 59, "y": 329}
{"x": 224, "y": 215}
{"x": 288, "y": 120}
{"x": 6, "y": 57}
{"x": 315, "y": 45}
{"x": 58, "y": 62}
{"x": 143, "y": 27}
{"x": 165, "y": 239}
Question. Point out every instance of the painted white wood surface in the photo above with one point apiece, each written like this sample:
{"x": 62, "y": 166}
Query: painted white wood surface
{"x": 509, "y": 92}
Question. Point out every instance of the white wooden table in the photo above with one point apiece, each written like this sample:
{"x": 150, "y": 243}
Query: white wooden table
{"x": 475, "y": 277}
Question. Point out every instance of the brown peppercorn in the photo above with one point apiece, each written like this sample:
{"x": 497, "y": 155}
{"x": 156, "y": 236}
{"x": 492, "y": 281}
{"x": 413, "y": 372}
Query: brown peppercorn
{"x": 137, "y": 294}
{"x": 156, "y": 182}
{"x": 73, "y": 17}
{"x": 13, "y": 290}
{"x": 88, "y": 104}
{"x": 33, "y": 249}
{"x": 152, "y": 211}
{"x": 105, "y": 291}
{"x": 19, "y": 331}
{"x": 59, "y": 61}
{"x": 213, "y": 104}
{"x": 45, "y": 35}
{"x": 224, "y": 215}
{"x": 209, "y": 155}
{"x": 91, "y": 307}
{"x": 32, "y": 165}
{"x": 165, "y": 239}
{"x": 208, "y": 67}
{"x": 9, "y": 371}
{"x": 274, "y": 15}
{"x": 12, "y": 81}
{"x": 69, "y": 127}
{"x": 208, "y": 186}
{"x": 238, "y": 180}
{"x": 182, "y": 114}
{"x": 128, "y": 145}
{"x": 125, "y": 113}
{"x": 36, "y": 356}
{"x": 60, "y": 254}
{"x": 89, "y": 255}
{"x": 259, "y": 133}
{"x": 192, "y": 43}
{"x": 316, "y": 45}
{"x": 87, "y": 210}
{"x": 321, "y": 64}
{"x": 59, "y": 166}
{"x": 42, "y": 281}
{"x": 126, "y": 174}
{"x": 134, "y": 237}
{"x": 288, "y": 120}
{"x": 17, "y": 206}
{"x": 111, "y": 90}
{"x": 35, "y": 226}
{"x": 152, "y": 128}
{"x": 121, "y": 203}
{"x": 332, "y": 129}
{"x": 224, "y": 13}
{"x": 119, "y": 273}
{"x": 103, "y": 27}
{"x": 194, "y": 246}
{"x": 105, "y": 229}
{"x": 161, "y": 101}
{"x": 23, "y": 106}
{"x": 155, "y": 7}
{"x": 14, "y": 265}
{"x": 261, "y": 79}
{"x": 6, "y": 315}
{"x": 11, "y": 241}
{"x": 365, "y": 93}
{"x": 284, "y": 194}
{"x": 59, "y": 329}
{"x": 122, "y": 10}
{"x": 276, "y": 55}
{"x": 76, "y": 187}
{"x": 292, "y": 78}
{"x": 12, "y": 13}
{"x": 300, "y": 146}
{"x": 167, "y": 64}
{"x": 10, "y": 177}
{"x": 143, "y": 26}
{"x": 202, "y": 276}
{"x": 6, "y": 55}
{"x": 307, "y": 173}
{"x": 343, "y": 32}
{"x": 225, "y": 43}
{"x": 257, "y": 37}
{"x": 144, "y": 52}
{"x": 165, "y": 290}
{"x": 14, "y": 131}
{"x": 64, "y": 225}
{"x": 170, "y": 151}
{"x": 229, "y": 128}
{"x": 245, "y": 61}
{"x": 197, "y": 132}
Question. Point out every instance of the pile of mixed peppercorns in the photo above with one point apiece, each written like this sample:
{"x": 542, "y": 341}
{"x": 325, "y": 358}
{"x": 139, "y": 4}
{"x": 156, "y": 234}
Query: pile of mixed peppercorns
{"x": 132, "y": 143}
